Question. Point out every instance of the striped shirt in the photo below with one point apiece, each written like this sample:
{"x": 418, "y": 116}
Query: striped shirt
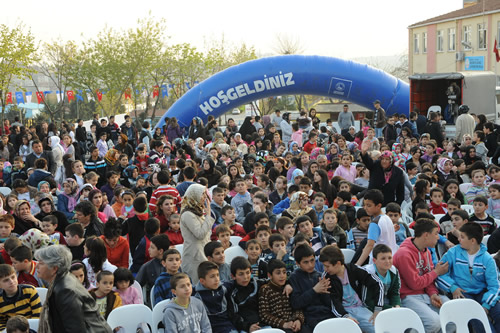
{"x": 25, "y": 302}
{"x": 164, "y": 190}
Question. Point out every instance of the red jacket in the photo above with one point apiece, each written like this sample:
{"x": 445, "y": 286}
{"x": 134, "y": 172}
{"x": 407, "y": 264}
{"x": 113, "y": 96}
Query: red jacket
{"x": 175, "y": 237}
{"x": 119, "y": 254}
{"x": 438, "y": 209}
{"x": 415, "y": 269}
{"x": 308, "y": 147}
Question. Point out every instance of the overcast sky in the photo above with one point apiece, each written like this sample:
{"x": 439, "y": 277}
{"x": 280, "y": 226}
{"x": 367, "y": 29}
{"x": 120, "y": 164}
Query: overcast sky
{"x": 345, "y": 29}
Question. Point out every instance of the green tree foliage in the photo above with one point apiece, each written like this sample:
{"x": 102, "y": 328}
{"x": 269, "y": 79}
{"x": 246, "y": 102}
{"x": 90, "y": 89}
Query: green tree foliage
{"x": 17, "y": 54}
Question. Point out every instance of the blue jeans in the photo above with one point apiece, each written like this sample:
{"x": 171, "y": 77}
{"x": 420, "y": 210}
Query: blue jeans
{"x": 427, "y": 312}
{"x": 378, "y": 132}
{"x": 493, "y": 312}
{"x": 362, "y": 315}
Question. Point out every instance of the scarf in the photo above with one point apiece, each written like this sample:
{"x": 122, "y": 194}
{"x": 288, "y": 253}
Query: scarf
{"x": 55, "y": 143}
{"x": 192, "y": 200}
{"x": 110, "y": 156}
{"x": 295, "y": 211}
{"x": 440, "y": 165}
{"x": 73, "y": 197}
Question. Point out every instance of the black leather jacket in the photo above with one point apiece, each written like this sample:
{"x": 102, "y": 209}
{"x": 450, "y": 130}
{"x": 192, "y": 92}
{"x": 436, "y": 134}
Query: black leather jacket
{"x": 72, "y": 309}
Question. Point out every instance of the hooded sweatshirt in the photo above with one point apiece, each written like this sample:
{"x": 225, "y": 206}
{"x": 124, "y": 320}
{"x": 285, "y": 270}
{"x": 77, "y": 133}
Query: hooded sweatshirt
{"x": 217, "y": 307}
{"x": 415, "y": 269}
{"x": 193, "y": 319}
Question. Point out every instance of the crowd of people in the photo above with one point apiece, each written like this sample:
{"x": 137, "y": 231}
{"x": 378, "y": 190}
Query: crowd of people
{"x": 86, "y": 214}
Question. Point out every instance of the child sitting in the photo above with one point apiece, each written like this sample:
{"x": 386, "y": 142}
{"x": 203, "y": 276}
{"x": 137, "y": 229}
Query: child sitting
{"x": 477, "y": 278}
{"x": 285, "y": 227}
{"x": 49, "y": 226}
{"x": 275, "y": 308}
{"x": 16, "y": 299}
{"x": 142, "y": 160}
{"x": 171, "y": 261}
{"x": 253, "y": 251}
{"x": 261, "y": 219}
{"x": 347, "y": 285}
{"x": 25, "y": 266}
{"x": 141, "y": 255}
{"x": 244, "y": 292}
{"x": 18, "y": 324}
{"x": 228, "y": 215}
{"x": 185, "y": 313}
{"x": 79, "y": 270}
{"x": 494, "y": 201}
{"x": 7, "y": 223}
{"x": 262, "y": 234}
{"x": 478, "y": 187}
{"x": 480, "y": 216}
{"x": 213, "y": 295}
{"x": 437, "y": 206}
{"x": 105, "y": 298}
{"x": 343, "y": 203}
{"x": 319, "y": 206}
{"x": 223, "y": 235}
{"x": 174, "y": 230}
{"x": 330, "y": 226}
{"x": 151, "y": 270}
{"x": 445, "y": 222}
{"x": 75, "y": 240}
{"x": 360, "y": 231}
{"x": 127, "y": 208}
{"x": 277, "y": 244}
{"x": 214, "y": 251}
{"x": 124, "y": 279}
{"x": 393, "y": 210}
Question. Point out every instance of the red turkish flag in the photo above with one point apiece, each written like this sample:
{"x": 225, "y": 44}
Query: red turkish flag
{"x": 156, "y": 91}
{"x": 39, "y": 96}
{"x": 127, "y": 94}
{"x": 8, "y": 98}
{"x": 99, "y": 95}
{"x": 70, "y": 95}
{"x": 495, "y": 50}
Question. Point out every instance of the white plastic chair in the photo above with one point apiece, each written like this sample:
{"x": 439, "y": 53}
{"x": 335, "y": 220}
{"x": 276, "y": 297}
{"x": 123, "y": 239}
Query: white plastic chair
{"x": 464, "y": 187}
{"x": 485, "y": 239}
{"x": 130, "y": 316}
{"x": 33, "y": 324}
{"x": 468, "y": 208}
{"x": 5, "y": 191}
{"x": 180, "y": 248}
{"x": 270, "y": 330}
{"x": 460, "y": 312}
{"x": 152, "y": 296}
{"x": 433, "y": 108}
{"x": 343, "y": 325}
{"x": 348, "y": 255}
{"x": 234, "y": 252}
{"x": 397, "y": 320}
{"x": 42, "y": 293}
{"x": 235, "y": 240}
{"x": 158, "y": 316}
{"x": 438, "y": 217}
{"x": 138, "y": 286}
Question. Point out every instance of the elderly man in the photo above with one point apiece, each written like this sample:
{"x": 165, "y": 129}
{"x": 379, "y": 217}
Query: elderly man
{"x": 322, "y": 162}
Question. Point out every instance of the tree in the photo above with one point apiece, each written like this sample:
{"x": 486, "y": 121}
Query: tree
{"x": 57, "y": 61}
{"x": 17, "y": 54}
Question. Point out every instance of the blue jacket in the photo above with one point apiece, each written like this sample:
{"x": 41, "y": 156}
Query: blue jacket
{"x": 62, "y": 206}
{"x": 162, "y": 289}
{"x": 484, "y": 274}
{"x": 316, "y": 307}
{"x": 216, "y": 302}
{"x": 281, "y": 206}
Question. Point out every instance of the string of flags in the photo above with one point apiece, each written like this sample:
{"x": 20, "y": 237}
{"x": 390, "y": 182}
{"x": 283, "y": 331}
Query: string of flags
{"x": 78, "y": 95}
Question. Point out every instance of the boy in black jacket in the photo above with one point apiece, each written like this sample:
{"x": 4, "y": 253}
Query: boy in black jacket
{"x": 347, "y": 288}
{"x": 310, "y": 290}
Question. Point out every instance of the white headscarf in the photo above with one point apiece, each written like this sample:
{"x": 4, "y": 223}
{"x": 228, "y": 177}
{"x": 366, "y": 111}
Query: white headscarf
{"x": 55, "y": 142}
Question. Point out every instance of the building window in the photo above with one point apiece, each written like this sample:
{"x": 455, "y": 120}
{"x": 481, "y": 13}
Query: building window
{"x": 424, "y": 42}
{"x": 466, "y": 38}
{"x": 440, "y": 40}
{"x": 451, "y": 39}
{"x": 416, "y": 44}
{"x": 481, "y": 36}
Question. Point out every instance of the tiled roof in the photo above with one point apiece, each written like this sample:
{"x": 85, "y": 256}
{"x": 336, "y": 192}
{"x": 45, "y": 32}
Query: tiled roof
{"x": 488, "y": 6}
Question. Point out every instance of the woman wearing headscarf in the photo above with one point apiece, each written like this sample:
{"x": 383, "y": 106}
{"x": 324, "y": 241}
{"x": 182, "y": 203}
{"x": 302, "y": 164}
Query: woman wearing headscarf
{"x": 470, "y": 156}
{"x": 111, "y": 158}
{"x": 47, "y": 208}
{"x": 173, "y": 130}
{"x": 241, "y": 145}
{"x": 69, "y": 307}
{"x": 209, "y": 172}
{"x": 384, "y": 175}
{"x": 299, "y": 206}
{"x": 286, "y": 128}
{"x": 67, "y": 200}
{"x": 444, "y": 170}
{"x": 196, "y": 228}
{"x": 57, "y": 154}
{"x": 247, "y": 128}
{"x": 24, "y": 220}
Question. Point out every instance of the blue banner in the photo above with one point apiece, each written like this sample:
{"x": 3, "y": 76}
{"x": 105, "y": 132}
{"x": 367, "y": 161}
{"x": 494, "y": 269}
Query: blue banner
{"x": 19, "y": 97}
{"x": 79, "y": 96}
{"x": 164, "y": 91}
{"x": 474, "y": 63}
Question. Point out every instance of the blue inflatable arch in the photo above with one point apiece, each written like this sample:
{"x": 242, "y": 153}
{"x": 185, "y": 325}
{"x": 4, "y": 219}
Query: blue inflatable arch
{"x": 290, "y": 75}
